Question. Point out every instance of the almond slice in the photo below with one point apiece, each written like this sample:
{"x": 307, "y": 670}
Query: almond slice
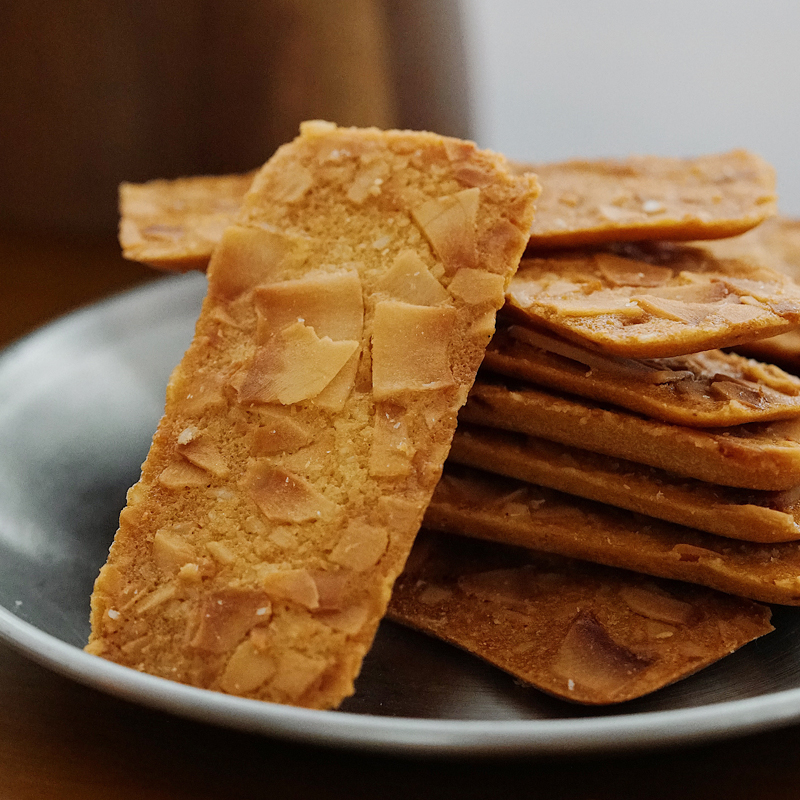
{"x": 360, "y": 547}
{"x": 225, "y": 617}
{"x": 411, "y": 281}
{"x": 449, "y": 223}
{"x": 478, "y": 288}
{"x": 296, "y": 585}
{"x": 330, "y": 303}
{"x": 278, "y": 433}
{"x": 294, "y": 365}
{"x": 410, "y": 348}
{"x": 250, "y": 256}
{"x": 283, "y": 496}
{"x": 205, "y": 454}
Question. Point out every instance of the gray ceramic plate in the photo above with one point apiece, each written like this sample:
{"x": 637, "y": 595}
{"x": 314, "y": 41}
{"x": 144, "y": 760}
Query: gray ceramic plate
{"x": 79, "y": 401}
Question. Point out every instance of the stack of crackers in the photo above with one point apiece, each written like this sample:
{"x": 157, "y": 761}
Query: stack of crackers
{"x": 620, "y": 499}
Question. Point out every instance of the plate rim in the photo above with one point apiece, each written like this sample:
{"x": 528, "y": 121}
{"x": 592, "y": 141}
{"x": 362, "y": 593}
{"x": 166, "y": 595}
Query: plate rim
{"x": 404, "y": 735}
{"x": 388, "y": 734}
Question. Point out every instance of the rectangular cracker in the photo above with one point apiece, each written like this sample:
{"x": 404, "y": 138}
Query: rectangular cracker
{"x": 649, "y": 197}
{"x": 485, "y": 506}
{"x": 763, "y": 456}
{"x": 173, "y": 224}
{"x": 654, "y": 300}
{"x": 306, "y": 427}
{"x": 705, "y": 390}
{"x": 578, "y": 631}
{"x": 746, "y": 515}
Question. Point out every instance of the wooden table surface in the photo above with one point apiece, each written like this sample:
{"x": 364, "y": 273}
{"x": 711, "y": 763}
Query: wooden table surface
{"x": 61, "y": 740}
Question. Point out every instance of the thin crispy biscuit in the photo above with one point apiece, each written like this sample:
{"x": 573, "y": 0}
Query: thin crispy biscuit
{"x": 653, "y": 301}
{"x": 711, "y": 389}
{"x": 749, "y": 516}
{"x": 579, "y": 631}
{"x": 648, "y": 198}
{"x": 306, "y": 427}
{"x": 176, "y": 224}
{"x": 583, "y": 202}
{"x": 764, "y": 456}
{"x": 782, "y": 350}
{"x": 486, "y": 506}
{"x": 776, "y": 243}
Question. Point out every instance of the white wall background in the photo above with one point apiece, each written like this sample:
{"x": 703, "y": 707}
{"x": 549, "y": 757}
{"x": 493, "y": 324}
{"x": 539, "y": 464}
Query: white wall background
{"x": 556, "y": 79}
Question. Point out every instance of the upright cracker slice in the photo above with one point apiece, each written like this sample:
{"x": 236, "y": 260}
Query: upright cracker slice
{"x": 749, "y": 516}
{"x": 579, "y": 631}
{"x": 484, "y": 506}
{"x": 176, "y": 224}
{"x": 763, "y": 456}
{"x": 647, "y": 198}
{"x": 306, "y": 427}
{"x": 653, "y": 301}
{"x": 711, "y": 389}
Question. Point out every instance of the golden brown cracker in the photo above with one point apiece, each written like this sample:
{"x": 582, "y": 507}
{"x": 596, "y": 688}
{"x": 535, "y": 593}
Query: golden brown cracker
{"x": 306, "y": 427}
{"x": 653, "y": 301}
{"x": 484, "y": 506}
{"x": 649, "y": 197}
{"x": 764, "y": 456}
{"x": 579, "y": 631}
{"x": 176, "y": 224}
{"x": 583, "y": 202}
{"x": 775, "y": 243}
{"x": 710, "y": 389}
{"x": 746, "y": 515}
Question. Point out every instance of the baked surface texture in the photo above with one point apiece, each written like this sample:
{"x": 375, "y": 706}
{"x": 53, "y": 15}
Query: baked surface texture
{"x": 175, "y": 224}
{"x": 712, "y": 389}
{"x": 651, "y": 197}
{"x": 485, "y": 506}
{"x": 306, "y": 427}
{"x": 581, "y": 632}
{"x": 653, "y": 300}
{"x": 763, "y": 456}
